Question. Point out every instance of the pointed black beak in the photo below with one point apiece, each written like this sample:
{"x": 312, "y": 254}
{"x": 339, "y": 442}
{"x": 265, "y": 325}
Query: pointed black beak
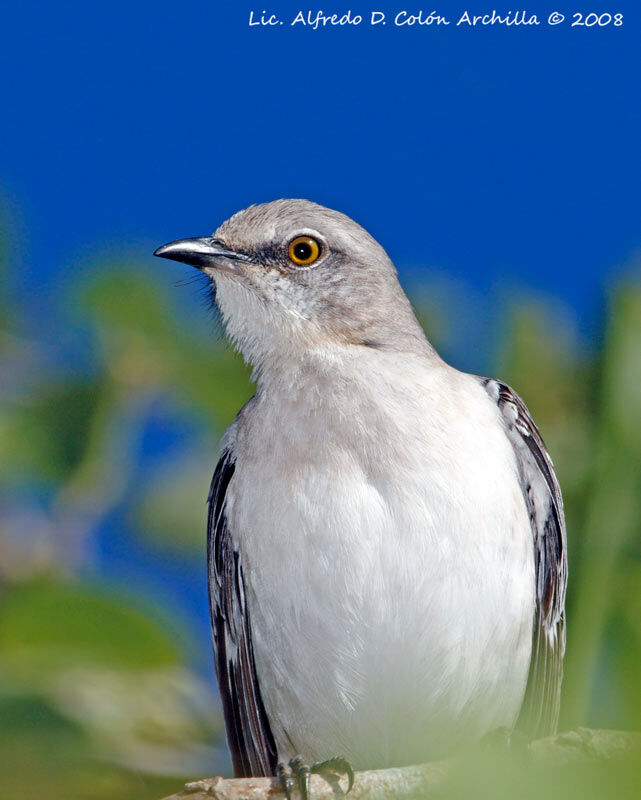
{"x": 201, "y": 253}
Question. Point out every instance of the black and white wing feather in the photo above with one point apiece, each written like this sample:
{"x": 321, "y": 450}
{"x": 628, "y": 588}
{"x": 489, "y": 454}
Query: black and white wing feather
{"x": 248, "y": 732}
{"x": 540, "y": 710}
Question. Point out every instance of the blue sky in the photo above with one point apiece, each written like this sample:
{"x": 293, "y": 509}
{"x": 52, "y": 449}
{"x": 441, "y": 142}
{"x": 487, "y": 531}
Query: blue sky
{"x": 497, "y": 156}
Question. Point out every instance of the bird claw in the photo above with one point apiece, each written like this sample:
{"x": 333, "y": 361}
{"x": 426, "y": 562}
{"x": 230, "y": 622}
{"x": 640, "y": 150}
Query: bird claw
{"x": 284, "y": 775}
{"x": 301, "y": 771}
{"x": 337, "y": 764}
{"x": 298, "y": 771}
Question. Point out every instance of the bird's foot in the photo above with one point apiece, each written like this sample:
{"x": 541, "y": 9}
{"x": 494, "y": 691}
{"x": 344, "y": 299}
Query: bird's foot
{"x": 336, "y": 765}
{"x": 296, "y": 774}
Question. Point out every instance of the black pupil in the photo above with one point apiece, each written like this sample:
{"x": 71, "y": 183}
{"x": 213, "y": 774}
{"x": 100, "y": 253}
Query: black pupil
{"x": 303, "y": 251}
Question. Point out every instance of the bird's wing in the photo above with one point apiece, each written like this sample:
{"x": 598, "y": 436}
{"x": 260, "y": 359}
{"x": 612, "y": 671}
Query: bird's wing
{"x": 540, "y": 710}
{"x": 250, "y": 738}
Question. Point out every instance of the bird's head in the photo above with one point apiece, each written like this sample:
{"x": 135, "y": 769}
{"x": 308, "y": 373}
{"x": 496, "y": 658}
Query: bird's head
{"x": 292, "y": 277}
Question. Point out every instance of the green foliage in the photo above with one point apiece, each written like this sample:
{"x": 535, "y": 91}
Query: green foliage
{"x": 588, "y": 411}
{"x": 146, "y": 344}
{"x": 46, "y": 755}
{"x": 93, "y": 695}
{"x": 510, "y": 776}
{"x": 46, "y": 625}
{"x": 171, "y": 508}
{"x": 45, "y": 436}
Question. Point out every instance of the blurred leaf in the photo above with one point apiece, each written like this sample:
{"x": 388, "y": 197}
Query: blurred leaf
{"x": 217, "y": 380}
{"x": 46, "y": 626}
{"x": 107, "y": 677}
{"x": 165, "y": 721}
{"x": 45, "y": 755}
{"x": 506, "y": 776}
{"x": 538, "y": 360}
{"x": 122, "y": 298}
{"x": 172, "y": 508}
{"x": 45, "y": 436}
{"x": 148, "y": 345}
{"x": 612, "y": 503}
{"x": 10, "y": 311}
{"x": 622, "y": 370}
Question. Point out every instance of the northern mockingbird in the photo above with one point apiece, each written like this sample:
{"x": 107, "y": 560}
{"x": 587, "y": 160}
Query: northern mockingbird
{"x": 387, "y": 550}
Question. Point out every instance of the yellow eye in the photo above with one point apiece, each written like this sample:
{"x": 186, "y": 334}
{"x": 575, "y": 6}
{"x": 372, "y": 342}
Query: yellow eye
{"x": 304, "y": 250}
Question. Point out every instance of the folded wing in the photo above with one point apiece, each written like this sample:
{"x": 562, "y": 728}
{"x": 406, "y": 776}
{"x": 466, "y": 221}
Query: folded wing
{"x": 540, "y": 710}
{"x": 248, "y": 732}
